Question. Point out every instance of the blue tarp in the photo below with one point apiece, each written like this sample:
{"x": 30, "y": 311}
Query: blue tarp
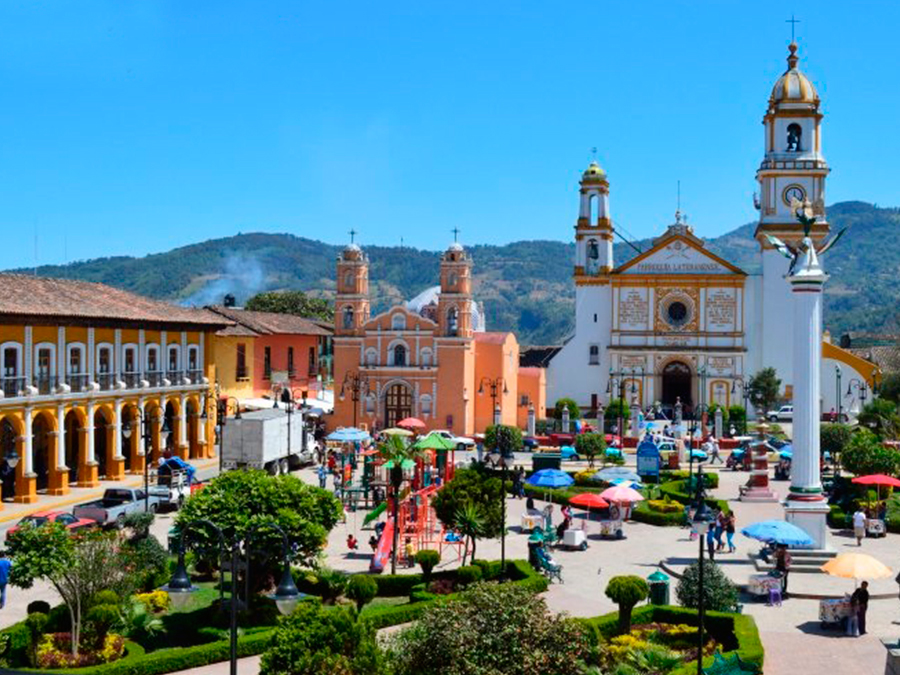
{"x": 178, "y": 464}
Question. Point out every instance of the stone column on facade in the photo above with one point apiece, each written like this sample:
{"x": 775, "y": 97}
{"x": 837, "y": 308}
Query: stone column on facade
{"x": 116, "y": 465}
{"x": 182, "y": 446}
{"x": 565, "y": 419}
{"x": 138, "y": 446}
{"x": 89, "y": 471}
{"x": 806, "y": 506}
{"x": 58, "y": 476}
{"x": 26, "y": 482}
{"x": 61, "y": 459}
{"x": 531, "y": 423}
{"x": 719, "y": 423}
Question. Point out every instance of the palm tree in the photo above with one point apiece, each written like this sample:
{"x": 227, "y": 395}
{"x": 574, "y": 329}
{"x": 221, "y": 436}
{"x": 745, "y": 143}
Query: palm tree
{"x": 396, "y": 450}
{"x": 469, "y": 520}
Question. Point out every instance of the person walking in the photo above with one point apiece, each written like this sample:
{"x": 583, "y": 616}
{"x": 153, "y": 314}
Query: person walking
{"x": 5, "y": 568}
{"x": 323, "y": 476}
{"x": 860, "y": 600}
{"x": 720, "y": 530}
{"x": 711, "y": 543}
{"x": 859, "y": 525}
{"x": 730, "y": 524}
{"x": 714, "y": 451}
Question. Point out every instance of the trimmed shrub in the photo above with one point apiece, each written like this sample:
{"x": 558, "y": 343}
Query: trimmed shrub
{"x": 468, "y": 575}
{"x": 427, "y": 559}
{"x": 503, "y": 438}
{"x": 362, "y": 590}
{"x": 719, "y": 593}
{"x": 38, "y": 606}
{"x": 574, "y": 410}
{"x": 626, "y": 592}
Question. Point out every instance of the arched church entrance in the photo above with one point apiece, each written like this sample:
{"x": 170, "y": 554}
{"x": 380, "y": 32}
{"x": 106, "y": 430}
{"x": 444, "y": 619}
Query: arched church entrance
{"x": 397, "y": 404}
{"x": 676, "y": 384}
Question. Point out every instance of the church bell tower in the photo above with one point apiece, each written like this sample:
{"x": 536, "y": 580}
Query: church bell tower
{"x": 455, "y": 299}
{"x": 594, "y": 230}
{"x": 351, "y": 305}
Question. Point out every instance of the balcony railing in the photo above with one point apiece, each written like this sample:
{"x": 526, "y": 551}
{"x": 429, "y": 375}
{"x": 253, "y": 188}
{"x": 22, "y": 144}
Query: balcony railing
{"x": 106, "y": 381}
{"x": 132, "y": 380}
{"x": 175, "y": 376}
{"x": 154, "y": 378}
{"x": 45, "y": 384}
{"x": 195, "y": 375}
{"x": 12, "y": 386}
{"x": 78, "y": 381}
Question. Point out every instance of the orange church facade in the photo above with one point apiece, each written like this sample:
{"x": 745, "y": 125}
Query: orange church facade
{"x": 430, "y": 362}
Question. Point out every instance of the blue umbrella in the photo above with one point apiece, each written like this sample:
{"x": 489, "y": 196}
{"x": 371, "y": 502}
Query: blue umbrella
{"x": 550, "y": 478}
{"x": 778, "y": 532}
{"x": 633, "y": 484}
{"x": 348, "y": 435}
{"x": 613, "y": 473}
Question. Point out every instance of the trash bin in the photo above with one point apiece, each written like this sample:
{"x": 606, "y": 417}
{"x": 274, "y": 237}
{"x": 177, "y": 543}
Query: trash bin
{"x": 545, "y": 460}
{"x": 659, "y": 588}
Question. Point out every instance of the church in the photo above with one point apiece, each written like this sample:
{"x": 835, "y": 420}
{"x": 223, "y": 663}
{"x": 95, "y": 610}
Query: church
{"x": 677, "y": 322}
{"x": 430, "y": 358}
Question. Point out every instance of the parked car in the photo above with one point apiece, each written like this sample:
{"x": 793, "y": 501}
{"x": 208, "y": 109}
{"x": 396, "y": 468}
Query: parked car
{"x": 461, "y": 442}
{"x": 116, "y": 504}
{"x": 568, "y": 453}
{"x": 784, "y": 414}
{"x": 71, "y": 523}
{"x": 530, "y": 443}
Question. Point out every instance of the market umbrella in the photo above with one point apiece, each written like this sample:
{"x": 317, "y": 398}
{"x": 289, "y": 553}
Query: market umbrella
{"x": 406, "y": 464}
{"x": 778, "y": 532}
{"x": 857, "y": 566}
{"x": 411, "y": 423}
{"x": 434, "y": 442}
{"x": 620, "y": 493}
{"x": 395, "y": 431}
{"x": 612, "y": 473}
{"x": 878, "y": 479}
{"x": 627, "y": 483}
{"x": 786, "y": 453}
{"x": 589, "y": 500}
{"x": 347, "y": 435}
{"x": 550, "y": 478}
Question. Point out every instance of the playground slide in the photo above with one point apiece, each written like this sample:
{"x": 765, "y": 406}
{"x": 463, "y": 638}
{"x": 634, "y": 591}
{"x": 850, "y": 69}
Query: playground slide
{"x": 375, "y": 513}
{"x": 383, "y": 550}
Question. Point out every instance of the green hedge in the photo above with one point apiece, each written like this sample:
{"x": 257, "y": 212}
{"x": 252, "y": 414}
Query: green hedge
{"x": 642, "y": 513}
{"x": 674, "y": 490}
{"x": 710, "y": 479}
{"x": 734, "y": 632}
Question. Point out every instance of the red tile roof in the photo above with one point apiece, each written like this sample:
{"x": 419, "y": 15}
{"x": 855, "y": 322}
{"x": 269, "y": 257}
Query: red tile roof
{"x": 24, "y": 296}
{"x": 271, "y": 323}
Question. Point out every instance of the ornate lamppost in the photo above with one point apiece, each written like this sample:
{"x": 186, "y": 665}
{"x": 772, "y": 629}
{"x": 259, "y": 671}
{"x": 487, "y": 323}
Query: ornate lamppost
{"x": 701, "y": 522}
{"x": 358, "y": 386}
{"x": 494, "y": 384}
{"x": 146, "y": 431}
{"x": 289, "y": 398}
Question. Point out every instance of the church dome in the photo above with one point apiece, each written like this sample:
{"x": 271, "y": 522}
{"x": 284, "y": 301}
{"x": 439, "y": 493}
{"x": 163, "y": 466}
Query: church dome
{"x": 352, "y": 252}
{"x": 594, "y": 172}
{"x": 793, "y": 86}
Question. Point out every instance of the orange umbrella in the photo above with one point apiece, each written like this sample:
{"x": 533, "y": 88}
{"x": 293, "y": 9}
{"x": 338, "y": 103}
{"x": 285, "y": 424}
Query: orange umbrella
{"x": 411, "y": 423}
{"x": 856, "y": 566}
{"x": 589, "y": 500}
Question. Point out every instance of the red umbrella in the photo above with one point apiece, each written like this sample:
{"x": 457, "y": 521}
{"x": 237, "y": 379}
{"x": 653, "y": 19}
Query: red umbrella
{"x": 411, "y": 423}
{"x": 877, "y": 479}
{"x": 590, "y": 500}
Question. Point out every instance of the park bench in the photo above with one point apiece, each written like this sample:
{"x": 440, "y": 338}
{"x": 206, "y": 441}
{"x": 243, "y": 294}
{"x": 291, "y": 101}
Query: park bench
{"x": 551, "y": 569}
{"x": 730, "y": 665}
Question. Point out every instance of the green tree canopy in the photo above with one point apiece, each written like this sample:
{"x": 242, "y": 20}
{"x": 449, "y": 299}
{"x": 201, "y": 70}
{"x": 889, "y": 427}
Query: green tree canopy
{"x": 316, "y": 640}
{"x": 834, "y": 438}
{"x": 291, "y": 302}
{"x": 471, "y": 486}
{"x": 590, "y": 445}
{"x": 719, "y": 593}
{"x": 765, "y": 390}
{"x": 626, "y": 591}
{"x": 865, "y": 454}
{"x": 880, "y": 416}
{"x": 503, "y": 438}
{"x": 237, "y": 501}
{"x": 890, "y": 387}
{"x": 574, "y": 410}
{"x": 617, "y": 408}
{"x": 493, "y": 628}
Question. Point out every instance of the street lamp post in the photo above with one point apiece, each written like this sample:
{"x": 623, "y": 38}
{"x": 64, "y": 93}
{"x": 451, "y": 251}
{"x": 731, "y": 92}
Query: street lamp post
{"x": 494, "y": 384}
{"x": 617, "y": 382}
{"x": 289, "y": 398}
{"x": 180, "y": 587}
{"x": 701, "y": 522}
{"x": 500, "y": 460}
{"x": 744, "y": 384}
{"x": 358, "y": 384}
{"x": 838, "y": 393}
{"x": 146, "y": 431}
{"x": 862, "y": 390}
{"x": 8, "y": 440}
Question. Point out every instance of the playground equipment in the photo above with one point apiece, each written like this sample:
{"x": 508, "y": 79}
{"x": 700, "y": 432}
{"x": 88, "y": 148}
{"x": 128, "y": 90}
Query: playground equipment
{"x": 417, "y": 522}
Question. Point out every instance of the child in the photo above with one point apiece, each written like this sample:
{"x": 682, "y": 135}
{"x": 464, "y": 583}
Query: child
{"x": 410, "y": 552}
{"x": 352, "y": 544}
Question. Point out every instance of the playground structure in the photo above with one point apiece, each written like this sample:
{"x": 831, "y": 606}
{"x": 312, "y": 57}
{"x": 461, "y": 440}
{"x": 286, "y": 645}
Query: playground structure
{"x": 417, "y": 521}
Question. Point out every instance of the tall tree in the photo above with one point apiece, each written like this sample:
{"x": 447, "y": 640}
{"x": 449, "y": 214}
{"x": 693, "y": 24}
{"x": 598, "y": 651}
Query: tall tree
{"x": 765, "y": 390}
{"x": 291, "y": 302}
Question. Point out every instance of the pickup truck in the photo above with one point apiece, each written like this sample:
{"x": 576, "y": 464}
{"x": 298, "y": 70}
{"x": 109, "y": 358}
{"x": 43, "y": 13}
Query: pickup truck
{"x": 116, "y": 504}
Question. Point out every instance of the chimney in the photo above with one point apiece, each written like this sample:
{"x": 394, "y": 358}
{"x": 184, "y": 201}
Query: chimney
{"x": 229, "y": 300}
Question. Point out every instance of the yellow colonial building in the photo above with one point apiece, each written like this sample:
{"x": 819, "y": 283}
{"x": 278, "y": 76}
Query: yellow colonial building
{"x": 84, "y": 370}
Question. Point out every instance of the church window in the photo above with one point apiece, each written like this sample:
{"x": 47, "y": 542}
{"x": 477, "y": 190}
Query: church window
{"x": 400, "y": 355}
{"x": 371, "y": 357}
{"x": 452, "y": 280}
{"x": 370, "y": 404}
{"x": 677, "y": 314}
{"x": 425, "y": 404}
{"x": 593, "y": 355}
{"x": 425, "y": 358}
{"x": 453, "y": 322}
{"x": 348, "y": 317}
{"x": 398, "y": 322}
{"x": 348, "y": 282}
{"x": 794, "y": 133}
{"x": 593, "y": 250}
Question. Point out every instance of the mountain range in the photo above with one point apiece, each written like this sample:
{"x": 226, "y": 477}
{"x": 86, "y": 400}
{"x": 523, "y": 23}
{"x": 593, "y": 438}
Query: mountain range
{"x": 525, "y": 286}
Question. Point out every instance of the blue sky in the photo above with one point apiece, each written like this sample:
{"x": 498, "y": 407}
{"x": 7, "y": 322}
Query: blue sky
{"x": 134, "y": 127}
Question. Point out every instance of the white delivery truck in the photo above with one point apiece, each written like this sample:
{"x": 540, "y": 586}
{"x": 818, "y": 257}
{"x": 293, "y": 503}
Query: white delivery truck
{"x": 260, "y": 440}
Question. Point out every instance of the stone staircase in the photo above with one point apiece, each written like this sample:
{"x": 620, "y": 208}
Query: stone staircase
{"x": 806, "y": 561}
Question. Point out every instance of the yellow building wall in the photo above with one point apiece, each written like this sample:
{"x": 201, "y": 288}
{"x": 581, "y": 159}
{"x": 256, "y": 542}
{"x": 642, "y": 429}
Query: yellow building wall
{"x": 224, "y": 350}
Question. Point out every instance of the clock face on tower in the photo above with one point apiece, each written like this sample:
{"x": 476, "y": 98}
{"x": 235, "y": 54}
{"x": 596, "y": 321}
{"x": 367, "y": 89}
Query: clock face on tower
{"x": 792, "y": 192}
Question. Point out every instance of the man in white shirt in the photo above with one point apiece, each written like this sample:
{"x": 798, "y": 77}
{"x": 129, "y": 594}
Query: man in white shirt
{"x": 859, "y": 525}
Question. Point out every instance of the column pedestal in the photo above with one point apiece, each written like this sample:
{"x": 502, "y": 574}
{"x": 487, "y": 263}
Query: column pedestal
{"x": 26, "y": 489}
{"x": 811, "y": 517}
{"x": 115, "y": 469}
{"x": 89, "y": 475}
{"x": 58, "y": 483}
{"x": 137, "y": 465}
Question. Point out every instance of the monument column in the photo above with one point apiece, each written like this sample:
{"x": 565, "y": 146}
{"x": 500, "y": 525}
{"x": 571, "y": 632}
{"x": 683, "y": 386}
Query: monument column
{"x": 806, "y": 506}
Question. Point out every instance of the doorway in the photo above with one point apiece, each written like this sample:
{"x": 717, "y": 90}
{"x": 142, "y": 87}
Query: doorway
{"x": 676, "y": 384}
{"x": 73, "y": 441}
{"x": 397, "y": 404}
{"x": 101, "y": 442}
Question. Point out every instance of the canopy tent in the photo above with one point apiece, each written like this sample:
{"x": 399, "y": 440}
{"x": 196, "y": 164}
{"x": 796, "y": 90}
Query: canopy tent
{"x": 613, "y": 473}
{"x": 778, "y": 532}
{"x": 406, "y": 464}
{"x": 434, "y": 442}
{"x": 550, "y": 478}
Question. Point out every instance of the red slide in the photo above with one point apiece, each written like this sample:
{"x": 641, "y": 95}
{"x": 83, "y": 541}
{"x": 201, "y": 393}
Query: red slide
{"x": 383, "y": 550}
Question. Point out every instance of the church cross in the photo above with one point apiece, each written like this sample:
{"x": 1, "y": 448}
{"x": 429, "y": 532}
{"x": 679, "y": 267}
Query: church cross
{"x": 793, "y": 22}
{"x": 594, "y": 152}
{"x": 455, "y": 232}
{"x": 353, "y": 234}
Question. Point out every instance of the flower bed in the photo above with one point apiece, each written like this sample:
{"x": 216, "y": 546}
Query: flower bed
{"x": 55, "y": 651}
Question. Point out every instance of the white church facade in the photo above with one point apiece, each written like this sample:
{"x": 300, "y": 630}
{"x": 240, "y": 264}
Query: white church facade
{"x": 677, "y": 322}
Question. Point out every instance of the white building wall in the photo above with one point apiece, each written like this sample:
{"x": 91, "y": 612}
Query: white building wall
{"x": 776, "y": 326}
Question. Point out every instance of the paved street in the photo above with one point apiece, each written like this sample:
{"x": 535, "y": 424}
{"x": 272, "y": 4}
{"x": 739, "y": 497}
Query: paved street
{"x": 791, "y": 633}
